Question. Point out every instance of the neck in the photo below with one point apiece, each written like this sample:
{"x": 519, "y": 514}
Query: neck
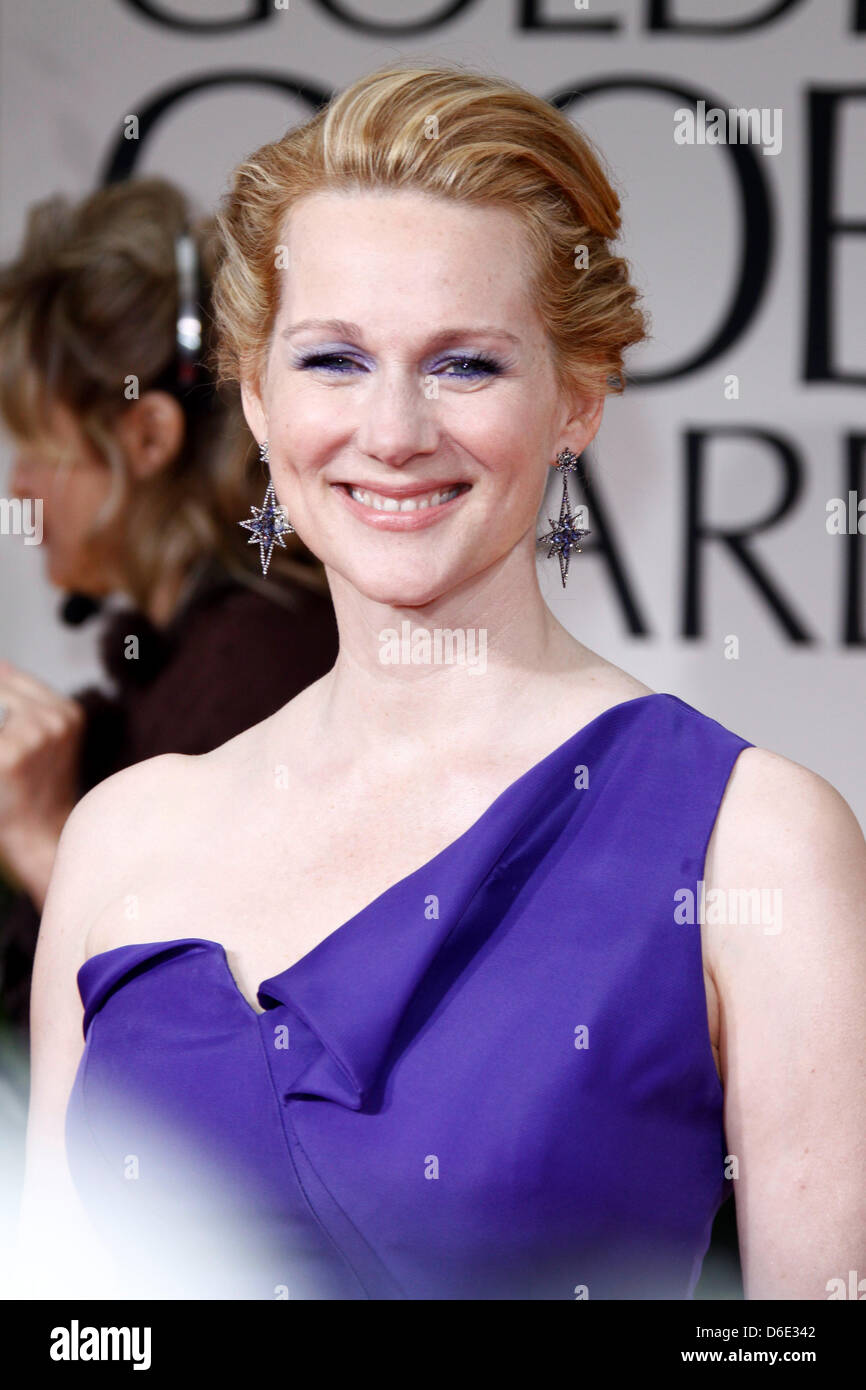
{"x": 389, "y": 684}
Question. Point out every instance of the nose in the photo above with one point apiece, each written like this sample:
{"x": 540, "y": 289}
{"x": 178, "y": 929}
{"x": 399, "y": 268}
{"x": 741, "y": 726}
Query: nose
{"x": 399, "y": 417}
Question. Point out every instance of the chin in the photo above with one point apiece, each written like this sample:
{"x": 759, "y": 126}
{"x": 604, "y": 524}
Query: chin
{"x": 409, "y": 596}
{"x": 414, "y": 589}
{"x": 69, "y": 582}
{"x": 57, "y": 576}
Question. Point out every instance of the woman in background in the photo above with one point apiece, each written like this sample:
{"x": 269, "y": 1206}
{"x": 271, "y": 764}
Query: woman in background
{"x": 145, "y": 471}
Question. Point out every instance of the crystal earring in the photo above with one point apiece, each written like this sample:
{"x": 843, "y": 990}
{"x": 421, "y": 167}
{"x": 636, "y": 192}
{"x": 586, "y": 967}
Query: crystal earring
{"x": 269, "y": 522}
{"x": 565, "y": 535}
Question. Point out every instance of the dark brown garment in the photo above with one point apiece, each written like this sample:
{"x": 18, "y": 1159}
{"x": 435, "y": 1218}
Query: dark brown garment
{"x": 230, "y": 657}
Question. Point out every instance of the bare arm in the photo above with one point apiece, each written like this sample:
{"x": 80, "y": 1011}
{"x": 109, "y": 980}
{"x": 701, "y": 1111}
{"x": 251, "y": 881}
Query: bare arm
{"x": 59, "y": 1254}
{"x": 793, "y": 1027}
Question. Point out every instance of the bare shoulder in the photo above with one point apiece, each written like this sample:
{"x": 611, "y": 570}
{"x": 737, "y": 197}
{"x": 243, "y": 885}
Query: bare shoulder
{"x": 118, "y": 822}
{"x": 131, "y": 818}
{"x": 785, "y": 937}
{"x": 778, "y": 817}
{"x": 785, "y": 842}
{"x": 149, "y": 826}
{"x": 118, "y": 815}
{"x": 118, "y": 819}
{"x": 164, "y": 802}
{"x": 601, "y": 684}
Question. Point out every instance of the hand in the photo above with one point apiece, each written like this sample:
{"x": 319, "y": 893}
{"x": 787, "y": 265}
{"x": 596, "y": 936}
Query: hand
{"x": 40, "y": 751}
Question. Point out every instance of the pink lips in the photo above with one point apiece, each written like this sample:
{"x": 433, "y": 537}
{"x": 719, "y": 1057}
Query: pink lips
{"x": 400, "y": 521}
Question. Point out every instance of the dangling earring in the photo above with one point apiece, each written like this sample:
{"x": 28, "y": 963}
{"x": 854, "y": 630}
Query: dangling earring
{"x": 565, "y": 535}
{"x": 269, "y": 522}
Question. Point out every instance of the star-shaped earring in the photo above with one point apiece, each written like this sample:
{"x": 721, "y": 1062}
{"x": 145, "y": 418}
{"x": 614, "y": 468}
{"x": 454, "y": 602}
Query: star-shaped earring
{"x": 564, "y": 535}
{"x": 269, "y": 522}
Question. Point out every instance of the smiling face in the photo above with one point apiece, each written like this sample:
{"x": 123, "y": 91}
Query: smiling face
{"x": 410, "y": 401}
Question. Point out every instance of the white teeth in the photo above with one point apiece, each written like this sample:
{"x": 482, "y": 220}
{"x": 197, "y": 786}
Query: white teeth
{"x": 381, "y": 503}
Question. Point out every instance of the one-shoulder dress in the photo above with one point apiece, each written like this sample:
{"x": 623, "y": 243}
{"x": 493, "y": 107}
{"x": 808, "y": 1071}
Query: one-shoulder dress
{"x": 495, "y": 1081}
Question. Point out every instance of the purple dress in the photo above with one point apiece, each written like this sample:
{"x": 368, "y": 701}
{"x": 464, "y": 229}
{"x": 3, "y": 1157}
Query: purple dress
{"x": 493, "y": 1082}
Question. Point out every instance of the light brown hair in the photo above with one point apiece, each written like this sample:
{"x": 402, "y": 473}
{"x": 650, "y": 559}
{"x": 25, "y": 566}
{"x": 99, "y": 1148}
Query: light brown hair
{"x": 459, "y": 134}
{"x": 90, "y": 300}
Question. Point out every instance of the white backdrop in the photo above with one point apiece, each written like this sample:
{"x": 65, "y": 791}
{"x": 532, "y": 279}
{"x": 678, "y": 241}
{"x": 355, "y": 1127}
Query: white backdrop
{"x": 71, "y": 70}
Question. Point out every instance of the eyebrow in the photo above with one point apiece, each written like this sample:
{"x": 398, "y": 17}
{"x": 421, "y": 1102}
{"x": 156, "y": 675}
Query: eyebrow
{"x": 352, "y": 330}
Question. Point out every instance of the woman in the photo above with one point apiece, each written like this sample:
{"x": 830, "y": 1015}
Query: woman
{"x": 141, "y": 473}
{"x": 409, "y": 974}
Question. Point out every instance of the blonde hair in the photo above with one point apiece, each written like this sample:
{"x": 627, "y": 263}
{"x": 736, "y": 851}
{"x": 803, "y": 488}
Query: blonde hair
{"x": 450, "y": 131}
{"x": 92, "y": 298}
